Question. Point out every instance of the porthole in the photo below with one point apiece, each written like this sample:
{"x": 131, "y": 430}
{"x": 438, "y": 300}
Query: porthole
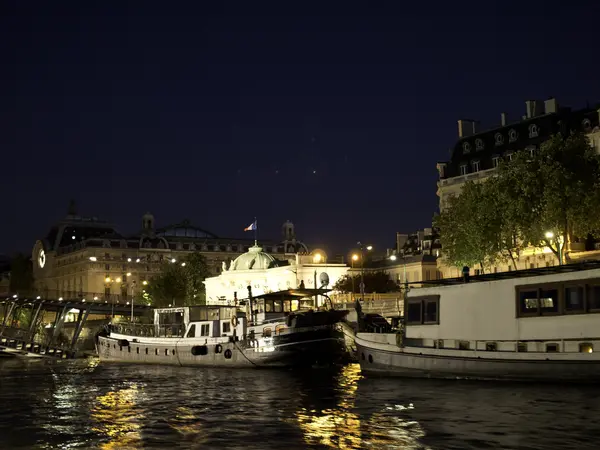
{"x": 173, "y": 352}
{"x": 228, "y": 354}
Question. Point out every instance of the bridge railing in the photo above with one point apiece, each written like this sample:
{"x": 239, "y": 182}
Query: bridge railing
{"x": 101, "y": 297}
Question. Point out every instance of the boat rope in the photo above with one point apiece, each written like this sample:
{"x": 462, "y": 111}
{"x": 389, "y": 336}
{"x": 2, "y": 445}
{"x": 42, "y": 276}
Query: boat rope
{"x": 249, "y": 360}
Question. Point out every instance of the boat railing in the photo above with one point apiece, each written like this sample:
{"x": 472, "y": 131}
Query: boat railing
{"x": 149, "y": 330}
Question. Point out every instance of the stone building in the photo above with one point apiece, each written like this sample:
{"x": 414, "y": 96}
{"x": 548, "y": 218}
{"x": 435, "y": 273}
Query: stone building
{"x": 88, "y": 257}
{"x": 477, "y": 153}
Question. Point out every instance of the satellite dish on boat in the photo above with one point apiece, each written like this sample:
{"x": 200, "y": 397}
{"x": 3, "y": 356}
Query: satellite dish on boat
{"x": 324, "y": 278}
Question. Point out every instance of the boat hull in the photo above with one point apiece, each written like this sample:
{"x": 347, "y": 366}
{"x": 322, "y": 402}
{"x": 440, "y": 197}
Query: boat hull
{"x": 294, "y": 350}
{"x": 377, "y": 361}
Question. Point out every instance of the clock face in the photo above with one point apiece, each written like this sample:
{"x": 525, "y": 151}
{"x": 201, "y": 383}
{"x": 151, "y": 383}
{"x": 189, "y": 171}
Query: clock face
{"x": 42, "y": 259}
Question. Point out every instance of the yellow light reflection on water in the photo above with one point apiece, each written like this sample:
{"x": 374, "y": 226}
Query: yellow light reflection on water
{"x": 337, "y": 427}
{"x": 341, "y": 428}
{"x": 117, "y": 417}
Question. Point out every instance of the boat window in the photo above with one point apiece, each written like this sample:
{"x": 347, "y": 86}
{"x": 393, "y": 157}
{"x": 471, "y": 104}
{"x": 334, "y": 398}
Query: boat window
{"x": 464, "y": 345}
{"x": 574, "y": 298}
{"x": 213, "y": 314}
{"x": 491, "y": 346}
{"x": 413, "y": 312}
{"x": 593, "y": 297}
{"x": 205, "y": 329}
{"x": 287, "y": 306}
{"x": 198, "y": 314}
{"x": 549, "y": 300}
{"x": 430, "y": 313}
{"x": 551, "y": 348}
{"x": 277, "y": 306}
{"x": 295, "y": 305}
{"x": 225, "y": 313}
{"x": 192, "y": 331}
{"x": 268, "y": 306}
{"x": 226, "y": 327}
{"x": 528, "y": 302}
{"x": 586, "y": 347}
{"x": 521, "y": 347}
{"x": 423, "y": 310}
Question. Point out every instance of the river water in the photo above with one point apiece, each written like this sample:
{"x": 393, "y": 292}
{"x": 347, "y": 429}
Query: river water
{"x": 84, "y": 404}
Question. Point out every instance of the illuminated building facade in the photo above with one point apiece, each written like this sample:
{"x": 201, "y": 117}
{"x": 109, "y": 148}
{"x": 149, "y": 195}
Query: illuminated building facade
{"x": 84, "y": 256}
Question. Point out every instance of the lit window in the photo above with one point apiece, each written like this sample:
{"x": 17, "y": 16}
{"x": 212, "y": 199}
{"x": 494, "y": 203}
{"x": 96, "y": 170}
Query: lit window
{"x": 463, "y": 169}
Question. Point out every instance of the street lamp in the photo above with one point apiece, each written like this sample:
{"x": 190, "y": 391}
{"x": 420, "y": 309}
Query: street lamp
{"x": 549, "y": 235}
{"x": 362, "y": 267}
{"x": 354, "y": 259}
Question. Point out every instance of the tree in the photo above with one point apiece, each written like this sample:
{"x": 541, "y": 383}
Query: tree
{"x": 545, "y": 198}
{"x": 374, "y": 282}
{"x": 555, "y": 193}
{"x": 469, "y": 230}
{"x": 180, "y": 283}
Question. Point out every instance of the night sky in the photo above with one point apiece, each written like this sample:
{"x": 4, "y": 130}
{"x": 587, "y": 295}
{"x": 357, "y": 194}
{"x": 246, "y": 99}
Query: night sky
{"x": 221, "y": 111}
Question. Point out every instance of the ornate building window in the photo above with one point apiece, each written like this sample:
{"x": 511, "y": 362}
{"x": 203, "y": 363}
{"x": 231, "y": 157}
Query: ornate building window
{"x": 463, "y": 169}
{"x": 479, "y": 144}
{"x": 466, "y": 147}
{"x": 495, "y": 161}
{"x": 512, "y": 135}
{"x": 476, "y": 166}
{"x": 586, "y": 124}
{"x": 499, "y": 139}
{"x": 509, "y": 156}
{"x": 533, "y": 130}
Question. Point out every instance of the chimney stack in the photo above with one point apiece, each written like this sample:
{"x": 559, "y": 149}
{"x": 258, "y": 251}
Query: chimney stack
{"x": 503, "y": 119}
{"x": 533, "y": 108}
{"x": 550, "y": 106}
{"x": 466, "y": 128}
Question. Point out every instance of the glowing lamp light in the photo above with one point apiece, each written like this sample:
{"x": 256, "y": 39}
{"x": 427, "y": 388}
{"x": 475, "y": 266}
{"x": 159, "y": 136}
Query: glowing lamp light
{"x": 60, "y": 299}
{"x": 173, "y": 260}
{"x": 95, "y": 298}
{"x": 118, "y": 280}
{"x": 393, "y": 257}
{"x": 355, "y": 257}
{"x": 128, "y": 274}
{"x": 128, "y": 303}
{"x": 15, "y": 296}
{"x": 549, "y": 234}
{"x": 182, "y": 264}
{"x": 317, "y": 258}
{"x": 369, "y": 247}
{"x": 144, "y": 282}
{"x": 38, "y": 297}
{"x": 107, "y": 279}
{"x": 83, "y": 300}
{"x": 137, "y": 260}
{"x": 93, "y": 258}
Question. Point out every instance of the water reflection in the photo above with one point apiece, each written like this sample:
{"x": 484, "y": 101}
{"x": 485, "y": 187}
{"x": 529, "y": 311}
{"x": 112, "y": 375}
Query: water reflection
{"x": 81, "y": 404}
{"x": 117, "y": 416}
{"x": 336, "y": 427}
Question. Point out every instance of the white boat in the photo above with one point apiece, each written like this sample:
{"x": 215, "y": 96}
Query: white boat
{"x": 540, "y": 324}
{"x": 272, "y": 335}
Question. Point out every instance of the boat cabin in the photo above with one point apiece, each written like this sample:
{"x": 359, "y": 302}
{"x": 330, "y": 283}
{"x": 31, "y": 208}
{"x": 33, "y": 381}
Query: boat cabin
{"x": 275, "y": 305}
{"x": 538, "y": 310}
{"x": 197, "y": 321}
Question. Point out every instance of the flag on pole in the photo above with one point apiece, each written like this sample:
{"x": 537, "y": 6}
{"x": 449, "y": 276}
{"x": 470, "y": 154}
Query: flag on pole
{"x": 251, "y": 227}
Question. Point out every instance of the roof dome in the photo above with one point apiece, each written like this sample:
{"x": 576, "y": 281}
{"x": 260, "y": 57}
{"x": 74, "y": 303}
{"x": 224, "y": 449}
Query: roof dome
{"x": 254, "y": 259}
